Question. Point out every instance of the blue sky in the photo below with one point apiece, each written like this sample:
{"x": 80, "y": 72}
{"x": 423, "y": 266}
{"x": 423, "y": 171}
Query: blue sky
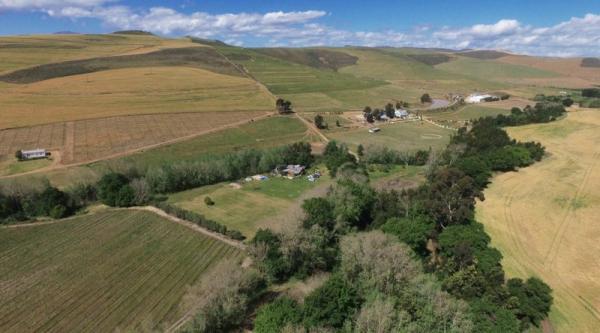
{"x": 549, "y": 27}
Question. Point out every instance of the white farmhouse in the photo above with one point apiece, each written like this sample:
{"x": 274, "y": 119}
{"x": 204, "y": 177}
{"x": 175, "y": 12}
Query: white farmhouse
{"x": 477, "y": 98}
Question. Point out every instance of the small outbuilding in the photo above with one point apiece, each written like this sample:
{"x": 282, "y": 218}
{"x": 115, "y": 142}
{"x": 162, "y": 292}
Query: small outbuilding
{"x": 401, "y": 113}
{"x": 33, "y": 154}
{"x": 374, "y": 130}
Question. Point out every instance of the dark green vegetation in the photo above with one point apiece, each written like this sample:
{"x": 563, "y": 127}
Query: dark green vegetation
{"x": 587, "y": 98}
{"x": 111, "y": 271}
{"x": 430, "y": 59}
{"x": 317, "y": 58}
{"x": 540, "y": 113}
{"x": 590, "y": 62}
{"x": 484, "y": 54}
{"x": 49, "y": 202}
{"x": 133, "y": 32}
{"x": 200, "y": 57}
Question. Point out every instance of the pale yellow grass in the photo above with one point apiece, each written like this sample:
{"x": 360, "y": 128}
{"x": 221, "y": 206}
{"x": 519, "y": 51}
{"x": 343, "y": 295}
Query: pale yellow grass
{"x": 570, "y": 67}
{"x": 17, "y": 52}
{"x": 127, "y": 92}
{"x": 545, "y": 218}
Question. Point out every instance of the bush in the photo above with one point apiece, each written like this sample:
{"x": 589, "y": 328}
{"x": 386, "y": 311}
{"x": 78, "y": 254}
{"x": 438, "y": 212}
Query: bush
{"x": 109, "y": 190}
{"x": 591, "y": 92}
{"x": 208, "y": 201}
{"x": 273, "y": 317}
{"x": 425, "y": 98}
{"x": 331, "y": 304}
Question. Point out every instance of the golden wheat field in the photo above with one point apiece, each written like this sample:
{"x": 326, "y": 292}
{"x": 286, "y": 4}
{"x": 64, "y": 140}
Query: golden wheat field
{"x": 18, "y": 52}
{"x": 544, "y": 218}
{"x": 127, "y": 92}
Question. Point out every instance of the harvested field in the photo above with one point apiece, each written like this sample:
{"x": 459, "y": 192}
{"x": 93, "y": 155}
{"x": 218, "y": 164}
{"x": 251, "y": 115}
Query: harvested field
{"x": 112, "y": 270}
{"x": 196, "y": 57}
{"x": 18, "y": 52}
{"x": 567, "y": 67}
{"x": 93, "y": 139}
{"x": 544, "y": 218}
{"x": 128, "y": 92}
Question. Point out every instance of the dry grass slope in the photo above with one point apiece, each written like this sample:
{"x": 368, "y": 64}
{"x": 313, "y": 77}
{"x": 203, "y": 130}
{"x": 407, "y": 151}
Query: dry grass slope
{"x": 115, "y": 269}
{"x": 128, "y": 92}
{"x": 544, "y": 218}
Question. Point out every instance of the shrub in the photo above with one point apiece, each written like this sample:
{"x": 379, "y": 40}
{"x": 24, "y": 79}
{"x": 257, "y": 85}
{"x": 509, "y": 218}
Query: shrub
{"x": 331, "y": 304}
{"x": 273, "y": 317}
{"x": 425, "y": 98}
{"x": 208, "y": 201}
{"x": 109, "y": 189}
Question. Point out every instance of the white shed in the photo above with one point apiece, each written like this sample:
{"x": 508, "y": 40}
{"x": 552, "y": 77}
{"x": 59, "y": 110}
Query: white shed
{"x": 33, "y": 154}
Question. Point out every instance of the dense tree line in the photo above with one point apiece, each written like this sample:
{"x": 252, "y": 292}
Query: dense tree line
{"x": 541, "y": 113}
{"x": 591, "y": 92}
{"x": 181, "y": 176}
{"x": 48, "y": 202}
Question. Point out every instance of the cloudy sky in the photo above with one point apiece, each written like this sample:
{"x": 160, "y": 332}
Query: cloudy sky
{"x": 540, "y": 27}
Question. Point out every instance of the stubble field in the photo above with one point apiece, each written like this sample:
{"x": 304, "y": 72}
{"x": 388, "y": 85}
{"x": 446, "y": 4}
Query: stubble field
{"x": 124, "y": 270}
{"x": 544, "y": 218}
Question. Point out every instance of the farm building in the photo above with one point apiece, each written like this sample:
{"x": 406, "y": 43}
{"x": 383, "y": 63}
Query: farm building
{"x": 33, "y": 154}
{"x": 477, "y": 98}
{"x": 401, "y": 113}
{"x": 374, "y": 130}
{"x": 290, "y": 170}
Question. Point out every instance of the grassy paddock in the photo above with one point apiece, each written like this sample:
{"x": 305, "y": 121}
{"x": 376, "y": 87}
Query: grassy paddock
{"x": 255, "y": 205}
{"x": 112, "y": 270}
{"x": 404, "y": 136}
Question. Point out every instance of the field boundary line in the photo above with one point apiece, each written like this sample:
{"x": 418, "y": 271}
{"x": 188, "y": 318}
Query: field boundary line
{"x": 136, "y": 150}
{"x": 192, "y": 226}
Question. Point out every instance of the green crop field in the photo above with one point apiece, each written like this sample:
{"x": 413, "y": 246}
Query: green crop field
{"x": 493, "y": 70}
{"x": 257, "y": 204}
{"x": 405, "y": 136}
{"x": 98, "y": 273}
{"x": 289, "y": 79}
{"x": 468, "y": 112}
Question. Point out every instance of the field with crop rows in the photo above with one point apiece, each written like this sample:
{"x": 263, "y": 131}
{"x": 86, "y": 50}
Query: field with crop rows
{"x": 130, "y": 91}
{"x": 111, "y": 270}
{"x": 92, "y": 139}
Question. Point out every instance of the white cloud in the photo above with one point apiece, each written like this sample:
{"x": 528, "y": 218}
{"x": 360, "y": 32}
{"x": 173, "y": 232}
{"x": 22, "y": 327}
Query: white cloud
{"x": 576, "y": 36}
{"x": 48, "y": 4}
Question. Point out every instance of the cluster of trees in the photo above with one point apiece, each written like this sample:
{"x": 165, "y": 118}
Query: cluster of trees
{"x": 185, "y": 175}
{"x": 378, "y": 287}
{"x": 199, "y": 220}
{"x": 540, "y": 113}
{"x": 564, "y": 100}
{"x": 336, "y": 156}
{"x": 389, "y": 111}
{"x": 283, "y": 106}
{"x": 48, "y": 202}
{"x": 591, "y": 92}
